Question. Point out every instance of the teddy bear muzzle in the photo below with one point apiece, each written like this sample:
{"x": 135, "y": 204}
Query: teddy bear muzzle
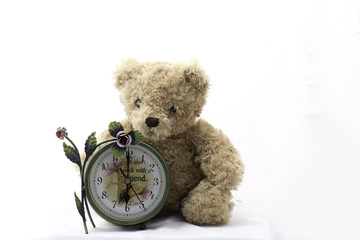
{"x": 152, "y": 122}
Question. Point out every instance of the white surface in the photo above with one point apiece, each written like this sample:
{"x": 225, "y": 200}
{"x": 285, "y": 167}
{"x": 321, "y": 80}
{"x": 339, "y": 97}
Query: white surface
{"x": 285, "y": 89}
{"x": 249, "y": 227}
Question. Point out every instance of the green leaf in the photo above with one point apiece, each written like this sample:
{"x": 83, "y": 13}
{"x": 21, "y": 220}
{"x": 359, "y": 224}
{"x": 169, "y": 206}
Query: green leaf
{"x": 117, "y": 151}
{"x": 72, "y": 154}
{"x": 90, "y": 144}
{"x": 138, "y": 136}
{"x": 114, "y": 128}
{"x": 79, "y": 206}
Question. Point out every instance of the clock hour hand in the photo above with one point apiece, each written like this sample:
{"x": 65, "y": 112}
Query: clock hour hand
{"x": 128, "y": 186}
{"x": 126, "y": 195}
{"x": 127, "y": 181}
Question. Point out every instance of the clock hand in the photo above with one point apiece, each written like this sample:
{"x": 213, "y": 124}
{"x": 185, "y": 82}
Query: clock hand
{"x": 127, "y": 162}
{"x": 138, "y": 197}
{"x": 127, "y": 196}
{"x": 129, "y": 185}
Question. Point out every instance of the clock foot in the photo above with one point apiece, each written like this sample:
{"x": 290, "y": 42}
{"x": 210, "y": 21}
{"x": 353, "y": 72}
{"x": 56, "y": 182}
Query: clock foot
{"x": 141, "y": 226}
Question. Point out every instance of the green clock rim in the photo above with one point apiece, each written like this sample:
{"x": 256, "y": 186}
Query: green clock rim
{"x": 135, "y": 221}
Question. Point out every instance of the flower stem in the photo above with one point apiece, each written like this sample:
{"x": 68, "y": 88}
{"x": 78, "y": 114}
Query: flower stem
{"x": 72, "y": 144}
{"x": 88, "y": 211}
{"x": 82, "y": 175}
{"x": 83, "y": 194}
{"x": 110, "y": 140}
{"x": 85, "y": 227}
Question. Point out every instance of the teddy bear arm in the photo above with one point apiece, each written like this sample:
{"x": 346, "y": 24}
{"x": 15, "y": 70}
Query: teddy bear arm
{"x": 210, "y": 201}
{"x": 218, "y": 159}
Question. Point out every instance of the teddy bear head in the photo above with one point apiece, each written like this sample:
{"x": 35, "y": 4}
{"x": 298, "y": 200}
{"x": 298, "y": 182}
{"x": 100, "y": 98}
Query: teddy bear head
{"x": 161, "y": 99}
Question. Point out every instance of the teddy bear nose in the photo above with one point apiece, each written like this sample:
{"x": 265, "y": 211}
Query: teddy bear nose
{"x": 152, "y": 122}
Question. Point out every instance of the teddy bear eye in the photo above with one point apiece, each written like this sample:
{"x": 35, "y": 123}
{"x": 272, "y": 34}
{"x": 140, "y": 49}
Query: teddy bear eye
{"x": 137, "y": 103}
{"x": 172, "y": 109}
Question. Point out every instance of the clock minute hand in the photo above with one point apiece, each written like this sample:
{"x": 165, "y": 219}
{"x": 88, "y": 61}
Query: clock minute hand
{"x": 127, "y": 162}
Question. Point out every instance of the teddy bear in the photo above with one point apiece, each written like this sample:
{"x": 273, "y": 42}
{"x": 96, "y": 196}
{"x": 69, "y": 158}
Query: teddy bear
{"x": 163, "y": 100}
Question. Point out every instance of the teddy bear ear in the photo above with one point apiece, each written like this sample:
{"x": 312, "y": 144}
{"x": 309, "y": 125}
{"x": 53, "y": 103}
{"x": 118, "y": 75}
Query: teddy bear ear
{"x": 126, "y": 71}
{"x": 196, "y": 76}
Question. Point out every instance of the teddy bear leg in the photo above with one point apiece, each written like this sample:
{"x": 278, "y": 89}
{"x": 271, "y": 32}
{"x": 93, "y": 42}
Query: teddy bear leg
{"x": 207, "y": 205}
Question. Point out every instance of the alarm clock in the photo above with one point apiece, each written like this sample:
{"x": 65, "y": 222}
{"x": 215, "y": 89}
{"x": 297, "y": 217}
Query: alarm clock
{"x": 130, "y": 189}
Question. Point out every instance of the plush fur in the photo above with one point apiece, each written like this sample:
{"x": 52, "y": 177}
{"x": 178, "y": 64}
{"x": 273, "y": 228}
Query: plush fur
{"x": 204, "y": 165}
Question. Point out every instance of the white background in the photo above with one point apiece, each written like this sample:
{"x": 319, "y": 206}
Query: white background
{"x": 285, "y": 89}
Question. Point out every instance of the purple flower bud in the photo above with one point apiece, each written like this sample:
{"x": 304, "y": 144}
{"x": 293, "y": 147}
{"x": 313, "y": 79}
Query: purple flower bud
{"x": 61, "y": 133}
{"x": 124, "y": 139}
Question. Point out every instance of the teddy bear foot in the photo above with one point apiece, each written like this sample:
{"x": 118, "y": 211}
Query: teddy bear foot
{"x": 210, "y": 207}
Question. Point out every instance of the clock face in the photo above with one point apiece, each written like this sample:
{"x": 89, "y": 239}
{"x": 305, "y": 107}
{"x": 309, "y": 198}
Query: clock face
{"x": 127, "y": 190}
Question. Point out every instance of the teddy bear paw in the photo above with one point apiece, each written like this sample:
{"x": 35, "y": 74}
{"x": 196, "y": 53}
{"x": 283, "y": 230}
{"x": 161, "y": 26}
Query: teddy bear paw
{"x": 207, "y": 208}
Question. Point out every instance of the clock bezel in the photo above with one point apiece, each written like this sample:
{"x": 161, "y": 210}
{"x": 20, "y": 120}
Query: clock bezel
{"x": 134, "y": 221}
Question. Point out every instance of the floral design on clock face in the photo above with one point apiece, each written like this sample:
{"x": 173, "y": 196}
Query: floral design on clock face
{"x": 130, "y": 188}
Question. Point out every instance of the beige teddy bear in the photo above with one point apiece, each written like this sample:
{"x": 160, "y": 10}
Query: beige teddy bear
{"x": 163, "y": 101}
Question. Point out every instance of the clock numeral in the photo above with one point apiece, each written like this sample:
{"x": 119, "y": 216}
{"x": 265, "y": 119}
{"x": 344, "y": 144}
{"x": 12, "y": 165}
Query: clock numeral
{"x": 127, "y": 209}
{"x": 103, "y": 195}
{"x": 151, "y": 167}
{"x": 99, "y": 180}
{"x": 115, "y": 159}
{"x": 156, "y": 181}
{"x": 141, "y": 206}
{"x": 105, "y": 166}
{"x": 152, "y": 195}
{"x": 114, "y": 204}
